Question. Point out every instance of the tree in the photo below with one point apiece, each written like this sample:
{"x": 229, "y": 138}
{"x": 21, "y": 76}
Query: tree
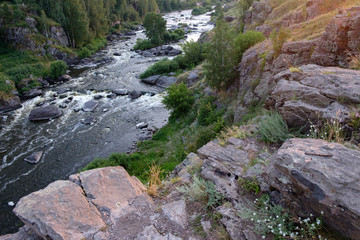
{"x": 76, "y": 22}
{"x": 179, "y": 100}
{"x": 221, "y": 58}
{"x": 155, "y": 27}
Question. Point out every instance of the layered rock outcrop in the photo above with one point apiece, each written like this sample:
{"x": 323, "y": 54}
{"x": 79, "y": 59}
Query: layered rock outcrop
{"x": 312, "y": 93}
{"x": 258, "y": 66}
{"x": 321, "y": 178}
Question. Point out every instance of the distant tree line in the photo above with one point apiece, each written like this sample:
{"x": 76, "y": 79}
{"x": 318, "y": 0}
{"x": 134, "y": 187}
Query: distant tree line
{"x": 83, "y": 20}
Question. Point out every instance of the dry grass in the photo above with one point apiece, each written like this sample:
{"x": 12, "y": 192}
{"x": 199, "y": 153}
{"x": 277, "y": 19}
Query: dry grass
{"x": 354, "y": 62}
{"x": 330, "y": 131}
{"x": 313, "y": 28}
{"x": 155, "y": 180}
{"x": 234, "y": 131}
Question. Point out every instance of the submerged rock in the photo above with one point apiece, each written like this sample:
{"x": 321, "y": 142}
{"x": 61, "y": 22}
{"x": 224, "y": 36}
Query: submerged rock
{"x": 34, "y": 158}
{"x": 44, "y": 113}
{"x": 142, "y": 125}
{"x": 90, "y": 106}
{"x": 89, "y": 120}
{"x": 135, "y": 94}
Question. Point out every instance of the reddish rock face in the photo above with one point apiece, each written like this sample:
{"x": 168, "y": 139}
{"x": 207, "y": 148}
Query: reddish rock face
{"x": 320, "y": 178}
{"x": 341, "y": 38}
{"x": 60, "y": 211}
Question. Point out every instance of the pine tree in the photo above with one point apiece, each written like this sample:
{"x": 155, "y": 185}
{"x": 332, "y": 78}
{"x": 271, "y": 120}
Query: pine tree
{"x": 221, "y": 58}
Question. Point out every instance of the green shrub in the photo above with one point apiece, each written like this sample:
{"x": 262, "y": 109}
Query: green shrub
{"x": 273, "y": 129}
{"x": 84, "y": 53}
{"x": 114, "y": 160}
{"x": 179, "y": 100}
{"x": 278, "y": 38}
{"x": 96, "y": 44}
{"x": 207, "y": 112}
{"x": 58, "y": 68}
{"x": 142, "y": 44}
{"x": 246, "y": 40}
{"x": 5, "y": 87}
{"x": 24, "y": 71}
{"x": 203, "y": 191}
{"x": 198, "y": 11}
{"x": 194, "y": 52}
{"x": 161, "y": 67}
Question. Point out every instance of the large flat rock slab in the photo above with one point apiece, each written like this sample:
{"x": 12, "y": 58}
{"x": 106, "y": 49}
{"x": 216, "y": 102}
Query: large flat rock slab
{"x": 314, "y": 177}
{"x": 60, "y": 211}
{"x": 112, "y": 190}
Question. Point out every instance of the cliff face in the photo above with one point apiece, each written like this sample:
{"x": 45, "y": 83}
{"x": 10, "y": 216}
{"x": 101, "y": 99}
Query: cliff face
{"x": 29, "y": 37}
{"x": 319, "y": 34}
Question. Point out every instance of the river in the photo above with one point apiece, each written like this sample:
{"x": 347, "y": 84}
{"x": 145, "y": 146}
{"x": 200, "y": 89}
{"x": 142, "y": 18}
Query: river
{"x": 69, "y": 145}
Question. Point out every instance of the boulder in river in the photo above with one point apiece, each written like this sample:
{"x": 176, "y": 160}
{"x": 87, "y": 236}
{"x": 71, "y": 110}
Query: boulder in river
{"x": 44, "y": 113}
{"x": 32, "y": 93}
{"x": 9, "y": 103}
{"x": 135, "y": 94}
{"x": 141, "y": 125}
{"x": 90, "y": 106}
{"x": 34, "y": 158}
{"x": 165, "y": 81}
{"x": 89, "y": 120}
{"x": 64, "y": 78}
{"x": 120, "y": 91}
{"x": 151, "y": 80}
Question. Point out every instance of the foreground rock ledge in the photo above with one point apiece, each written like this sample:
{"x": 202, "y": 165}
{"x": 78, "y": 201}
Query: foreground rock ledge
{"x": 315, "y": 176}
{"x": 60, "y": 211}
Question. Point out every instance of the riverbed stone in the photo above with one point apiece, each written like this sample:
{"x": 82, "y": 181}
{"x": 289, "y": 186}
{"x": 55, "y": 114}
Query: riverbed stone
{"x": 44, "y": 113}
{"x": 316, "y": 177}
{"x": 34, "y": 158}
{"x": 120, "y": 91}
{"x": 89, "y": 120}
{"x": 142, "y": 125}
{"x": 151, "y": 80}
{"x": 66, "y": 214}
{"x": 32, "y": 93}
{"x": 90, "y": 106}
{"x": 165, "y": 81}
{"x": 135, "y": 94}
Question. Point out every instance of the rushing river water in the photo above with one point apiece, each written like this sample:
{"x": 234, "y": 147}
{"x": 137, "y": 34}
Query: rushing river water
{"x": 69, "y": 145}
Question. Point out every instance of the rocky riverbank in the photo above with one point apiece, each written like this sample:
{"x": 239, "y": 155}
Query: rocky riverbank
{"x": 306, "y": 175}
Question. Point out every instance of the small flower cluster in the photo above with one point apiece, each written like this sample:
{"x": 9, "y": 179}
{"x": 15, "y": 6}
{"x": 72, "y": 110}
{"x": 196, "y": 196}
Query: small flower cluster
{"x": 355, "y": 119}
{"x": 274, "y": 220}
